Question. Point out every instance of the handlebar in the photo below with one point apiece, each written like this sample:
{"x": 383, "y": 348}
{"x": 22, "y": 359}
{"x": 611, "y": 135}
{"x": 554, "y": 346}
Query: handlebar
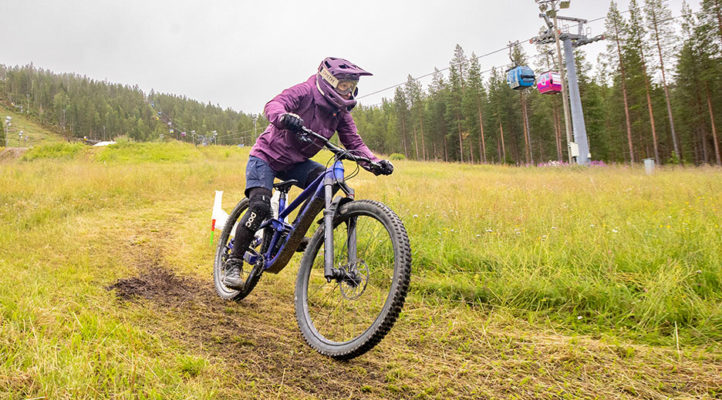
{"x": 342, "y": 154}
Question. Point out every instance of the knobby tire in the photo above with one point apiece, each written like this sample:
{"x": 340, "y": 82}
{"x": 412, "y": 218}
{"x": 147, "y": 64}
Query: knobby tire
{"x": 370, "y": 332}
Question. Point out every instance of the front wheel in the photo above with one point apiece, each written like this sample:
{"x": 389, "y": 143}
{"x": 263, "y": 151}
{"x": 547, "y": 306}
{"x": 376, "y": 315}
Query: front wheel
{"x": 346, "y": 317}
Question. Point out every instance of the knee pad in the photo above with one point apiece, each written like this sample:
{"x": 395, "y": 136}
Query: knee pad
{"x": 259, "y": 208}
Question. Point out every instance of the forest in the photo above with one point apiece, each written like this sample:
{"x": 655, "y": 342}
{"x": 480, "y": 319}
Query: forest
{"x": 78, "y": 107}
{"x": 654, "y": 93}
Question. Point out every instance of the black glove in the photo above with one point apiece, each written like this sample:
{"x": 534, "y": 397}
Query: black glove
{"x": 291, "y": 122}
{"x": 384, "y": 168}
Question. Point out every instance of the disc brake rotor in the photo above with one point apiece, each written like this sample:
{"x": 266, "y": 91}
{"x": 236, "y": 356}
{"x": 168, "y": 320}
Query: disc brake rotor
{"x": 354, "y": 289}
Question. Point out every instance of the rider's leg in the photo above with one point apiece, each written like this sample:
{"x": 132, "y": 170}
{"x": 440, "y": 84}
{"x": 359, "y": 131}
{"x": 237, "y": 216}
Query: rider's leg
{"x": 305, "y": 173}
{"x": 259, "y": 181}
{"x": 259, "y": 208}
{"x": 313, "y": 174}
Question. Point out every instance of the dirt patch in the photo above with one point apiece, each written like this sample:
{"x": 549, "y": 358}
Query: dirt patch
{"x": 259, "y": 334}
{"x": 12, "y": 153}
{"x": 156, "y": 283}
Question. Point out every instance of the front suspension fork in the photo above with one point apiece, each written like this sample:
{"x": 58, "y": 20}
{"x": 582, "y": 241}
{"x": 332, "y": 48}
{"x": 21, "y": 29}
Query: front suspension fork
{"x": 328, "y": 264}
{"x": 328, "y": 213}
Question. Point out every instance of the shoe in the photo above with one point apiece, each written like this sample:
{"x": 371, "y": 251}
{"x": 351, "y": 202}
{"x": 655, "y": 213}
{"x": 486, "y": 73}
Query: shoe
{"x": 233, "y": 267}
{"x": 302, "y": 246}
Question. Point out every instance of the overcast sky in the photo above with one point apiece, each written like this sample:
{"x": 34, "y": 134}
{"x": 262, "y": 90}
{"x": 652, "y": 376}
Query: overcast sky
{"x": 239, "y": 54}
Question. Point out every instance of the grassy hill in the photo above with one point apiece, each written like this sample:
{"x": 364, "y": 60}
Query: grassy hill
{"x": 527, "y": 283}
{"x": 33, "y": 133}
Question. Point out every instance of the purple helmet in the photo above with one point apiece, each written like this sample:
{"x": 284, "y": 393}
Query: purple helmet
{"x": 336, "y": 80}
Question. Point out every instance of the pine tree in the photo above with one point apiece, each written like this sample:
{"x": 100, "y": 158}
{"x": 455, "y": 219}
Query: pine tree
{"x": 709, "y": 50}
{"x": 458, "y": 70}
{"x": 615, "y": 28}
{"x": 438, "y": 93}
{"x": 712, "y": 12}
{"x": 402, "y": 116}
{"x": 659, "y": 18}
{"x": 415, "y": 96}
{"x": 635, "y": 53}
{"x": 474, "y": 100}
{"x": 500, "y": 98}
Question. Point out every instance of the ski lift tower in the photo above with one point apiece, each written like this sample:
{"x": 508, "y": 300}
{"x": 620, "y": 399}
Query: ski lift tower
{"x": 580, "y": 146}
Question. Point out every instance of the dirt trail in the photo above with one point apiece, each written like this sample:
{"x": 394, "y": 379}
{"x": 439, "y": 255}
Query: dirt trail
{"x": 257, "y": 334}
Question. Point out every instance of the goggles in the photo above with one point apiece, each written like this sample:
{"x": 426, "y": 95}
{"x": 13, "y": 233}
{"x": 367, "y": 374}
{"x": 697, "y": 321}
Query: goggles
{"x": 346, "y": 86}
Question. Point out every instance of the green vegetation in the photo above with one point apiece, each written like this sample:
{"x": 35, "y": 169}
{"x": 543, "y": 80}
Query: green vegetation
{"x": 527, "y": 282}
{"x": 55, "y": 151}
{"x": 2, "y": 133}
{"x": 79, "y": 107}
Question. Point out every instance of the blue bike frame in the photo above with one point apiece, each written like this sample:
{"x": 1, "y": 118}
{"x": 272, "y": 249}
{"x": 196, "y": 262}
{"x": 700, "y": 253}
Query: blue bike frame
{"x": 320, "y": 195}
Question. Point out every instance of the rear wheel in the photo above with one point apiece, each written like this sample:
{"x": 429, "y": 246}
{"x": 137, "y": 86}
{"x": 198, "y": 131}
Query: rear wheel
{"x": 346, "y": 317}
{"x": 250, "y": 274}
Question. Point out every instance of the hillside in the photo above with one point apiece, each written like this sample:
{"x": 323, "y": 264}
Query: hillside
{"x": 527, "y": 283}
{"x": 33, "y": 133}
{"x": 82, "y": 107}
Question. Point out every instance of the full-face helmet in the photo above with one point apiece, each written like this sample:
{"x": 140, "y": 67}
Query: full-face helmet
{"x": 337, "y": 79}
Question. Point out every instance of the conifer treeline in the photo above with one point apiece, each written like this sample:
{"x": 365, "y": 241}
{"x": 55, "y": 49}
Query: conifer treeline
{"x": 81, "y": 107}
{"x": 656, "y": 94}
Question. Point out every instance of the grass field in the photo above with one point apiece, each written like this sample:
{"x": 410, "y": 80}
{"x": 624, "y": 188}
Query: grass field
{"x": 527, "y": 283}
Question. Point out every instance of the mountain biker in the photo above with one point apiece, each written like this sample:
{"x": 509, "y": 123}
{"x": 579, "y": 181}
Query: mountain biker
{"x": 323, "y": 104}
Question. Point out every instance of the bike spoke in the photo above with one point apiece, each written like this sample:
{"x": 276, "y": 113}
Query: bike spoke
{"x": 343, "y": 314}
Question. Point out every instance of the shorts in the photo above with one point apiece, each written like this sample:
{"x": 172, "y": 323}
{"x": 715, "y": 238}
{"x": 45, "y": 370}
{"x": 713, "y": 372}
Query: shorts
{"x": 260, "y": 174}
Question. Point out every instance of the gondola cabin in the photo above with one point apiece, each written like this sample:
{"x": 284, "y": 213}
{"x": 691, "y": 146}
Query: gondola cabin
{"x": 520, "y": 78}
{"x": 549, "y": 83}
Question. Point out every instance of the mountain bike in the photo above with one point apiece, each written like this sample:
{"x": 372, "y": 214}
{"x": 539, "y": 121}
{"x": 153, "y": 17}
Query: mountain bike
{"x": 355, "y": 270}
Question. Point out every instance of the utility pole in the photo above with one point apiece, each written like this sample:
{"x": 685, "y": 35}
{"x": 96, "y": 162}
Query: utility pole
{"x": 565, "y": 99}
{"x": 580, "y": 144}
{"x": 543, "y": 4}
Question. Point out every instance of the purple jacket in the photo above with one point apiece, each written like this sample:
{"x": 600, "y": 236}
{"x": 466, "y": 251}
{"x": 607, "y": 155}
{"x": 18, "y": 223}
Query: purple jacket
{"x": 280, "y": 148}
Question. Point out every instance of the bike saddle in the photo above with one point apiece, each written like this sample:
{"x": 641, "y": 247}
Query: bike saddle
{"x": 285, "y": 186}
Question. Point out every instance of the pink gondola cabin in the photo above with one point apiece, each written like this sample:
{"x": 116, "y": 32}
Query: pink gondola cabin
{"x": 549, "y": 83}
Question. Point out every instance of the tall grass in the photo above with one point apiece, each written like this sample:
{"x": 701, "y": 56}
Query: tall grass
{"x": 62, "y": 234}
{"x": 600, "y": 248}
{"x": 592, "y": 250}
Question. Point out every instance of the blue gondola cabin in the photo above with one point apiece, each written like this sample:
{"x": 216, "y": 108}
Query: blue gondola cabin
{"x": 520, "y": 78}
{"x": 549, "y": 83}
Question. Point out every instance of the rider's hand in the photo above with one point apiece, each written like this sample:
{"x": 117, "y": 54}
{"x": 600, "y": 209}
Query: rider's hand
{"x": 384, "y": 168}
{"x": 291, "y": 121}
